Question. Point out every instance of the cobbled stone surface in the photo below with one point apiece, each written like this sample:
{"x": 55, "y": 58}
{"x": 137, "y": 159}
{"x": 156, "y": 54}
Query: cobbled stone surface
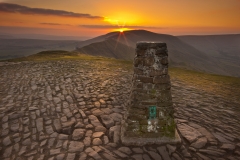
{"x": 73, "y": 109}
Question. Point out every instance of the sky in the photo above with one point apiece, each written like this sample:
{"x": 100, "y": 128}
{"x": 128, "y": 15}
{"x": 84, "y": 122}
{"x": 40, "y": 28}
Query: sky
{"x": 91, "y": 18}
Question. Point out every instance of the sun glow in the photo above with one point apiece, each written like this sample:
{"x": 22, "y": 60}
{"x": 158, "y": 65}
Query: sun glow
{"x": 122, "y": 29}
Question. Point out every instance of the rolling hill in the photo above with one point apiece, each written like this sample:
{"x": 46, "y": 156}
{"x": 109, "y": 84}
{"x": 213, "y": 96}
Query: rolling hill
{"x": 181, "y": 52}
{"x": 224, "y": 49}
{"x": 15, "y": 48}
{"x": 109, "y": 48}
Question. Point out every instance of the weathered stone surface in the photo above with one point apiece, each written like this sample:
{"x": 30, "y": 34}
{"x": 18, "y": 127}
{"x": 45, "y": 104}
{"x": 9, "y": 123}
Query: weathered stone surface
{"x": 49, "y": 129}
{"x": 7, "y": 141}
{"x": 208, "y": 135}
{"x": 67, "y": 127}
{"x": 57, "y": 125}
{"x": 216, "y": 152}
{"x": 95, "y": 155}
{"x": 97, "y": 134}
{"x": 137, "y": 150}
{"x": 149, "y": 61}
{"x": 97, "y": 141}
{"x": 161, "y": 79}
{"x": 89, "y": 126}
{"x": 146, "y": 157}
{"x": 75, "y": 146}
{"x": 154, "y": 155}
{"x": 138, "y": 61}
{"x": 171, "y": 149}
{"x": 228, "y": 146}
{"x": 56, "y": 100}
{"x": 108, "y": 156}
{"x": 117, "y": 117}
{"x": 27, "y": 142}
{"x": 145, "y": 79}
{"x": 71, "y": 156}
{"x": 164, "y": 60}
{"x": 39, "y": 124}
{"x": 94, "y": 121}
{"x": 89, "y": 133}
{"x": 88, "y": 150}
{"x": 55, "y": 151}
{"x": 63, "y": 136}
{"x": 107, "y": 121}
{"x": 78, "y": 134}
{"x": 87, "y": 141}
{"x": 83, "y": 156}
{"x": 150, "y": 103}
{"x": 82, "y": 113}
{"x": 188, "y": 132}
{"x": 114, "y": 133}
{"x": 203, "y": 156}
{"x": 105, "y": 140}
{"x": 126, "y": 150}
{"x": 97, "y": 104}
{"x": 221, "y": 138}
{"x": 100, "y": 129}
{"x": 137, "y": 156}
{"x": 7, "y": 152}
{"x": 69, "y": 99}
{"x": 200, "y": 143}
{"x": 79, "y": 125}
{"x": 161, "y": 72}
{"x": 97, "y": 112}
{"x": 138, "y": 71}
{"x": 120, "y": 154}
{"x": 163, "y": 152}
{"x": 60, "y": 157}
{"x": 97, "y": 149}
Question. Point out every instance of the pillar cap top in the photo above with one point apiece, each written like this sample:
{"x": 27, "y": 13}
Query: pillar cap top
{"x": 150, "y": 44}
{"x": 139, "y": 42}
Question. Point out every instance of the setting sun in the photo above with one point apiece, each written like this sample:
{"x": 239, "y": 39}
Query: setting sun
{"x": 122, "y": 29}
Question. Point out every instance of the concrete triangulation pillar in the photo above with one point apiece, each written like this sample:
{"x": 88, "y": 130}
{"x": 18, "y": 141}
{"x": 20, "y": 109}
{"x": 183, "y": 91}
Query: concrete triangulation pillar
{"x": 149, "y": 116}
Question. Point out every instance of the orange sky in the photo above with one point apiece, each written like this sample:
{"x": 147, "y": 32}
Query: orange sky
{"x": 176, "y": 17}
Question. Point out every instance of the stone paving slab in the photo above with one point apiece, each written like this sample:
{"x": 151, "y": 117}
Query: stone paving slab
{"x": 73, "y": 110}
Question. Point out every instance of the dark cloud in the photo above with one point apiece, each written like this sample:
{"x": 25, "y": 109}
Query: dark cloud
{"x": 115, "y": 26}
{"x": 15, "y": 8}
{"x": 55, "y": 24}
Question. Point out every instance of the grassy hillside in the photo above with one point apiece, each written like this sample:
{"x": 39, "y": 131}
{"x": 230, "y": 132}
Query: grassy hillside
{"x": 96, "y": 39}
{"x": 109, "y": 48}
{"x": 217, "y": 85}
{"x": 56, "y": 55}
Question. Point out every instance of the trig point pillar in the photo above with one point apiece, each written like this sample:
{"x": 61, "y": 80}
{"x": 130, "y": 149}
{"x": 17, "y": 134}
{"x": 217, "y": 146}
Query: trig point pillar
{"x": 149, "y": 116}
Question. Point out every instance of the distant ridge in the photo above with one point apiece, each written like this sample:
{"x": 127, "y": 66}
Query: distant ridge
{"x": 182, "y": 53}
{"x": 218, "y": 54}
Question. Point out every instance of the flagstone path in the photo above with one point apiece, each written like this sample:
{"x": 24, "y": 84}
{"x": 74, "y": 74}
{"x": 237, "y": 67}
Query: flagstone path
{"x": 73, "y": 110}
